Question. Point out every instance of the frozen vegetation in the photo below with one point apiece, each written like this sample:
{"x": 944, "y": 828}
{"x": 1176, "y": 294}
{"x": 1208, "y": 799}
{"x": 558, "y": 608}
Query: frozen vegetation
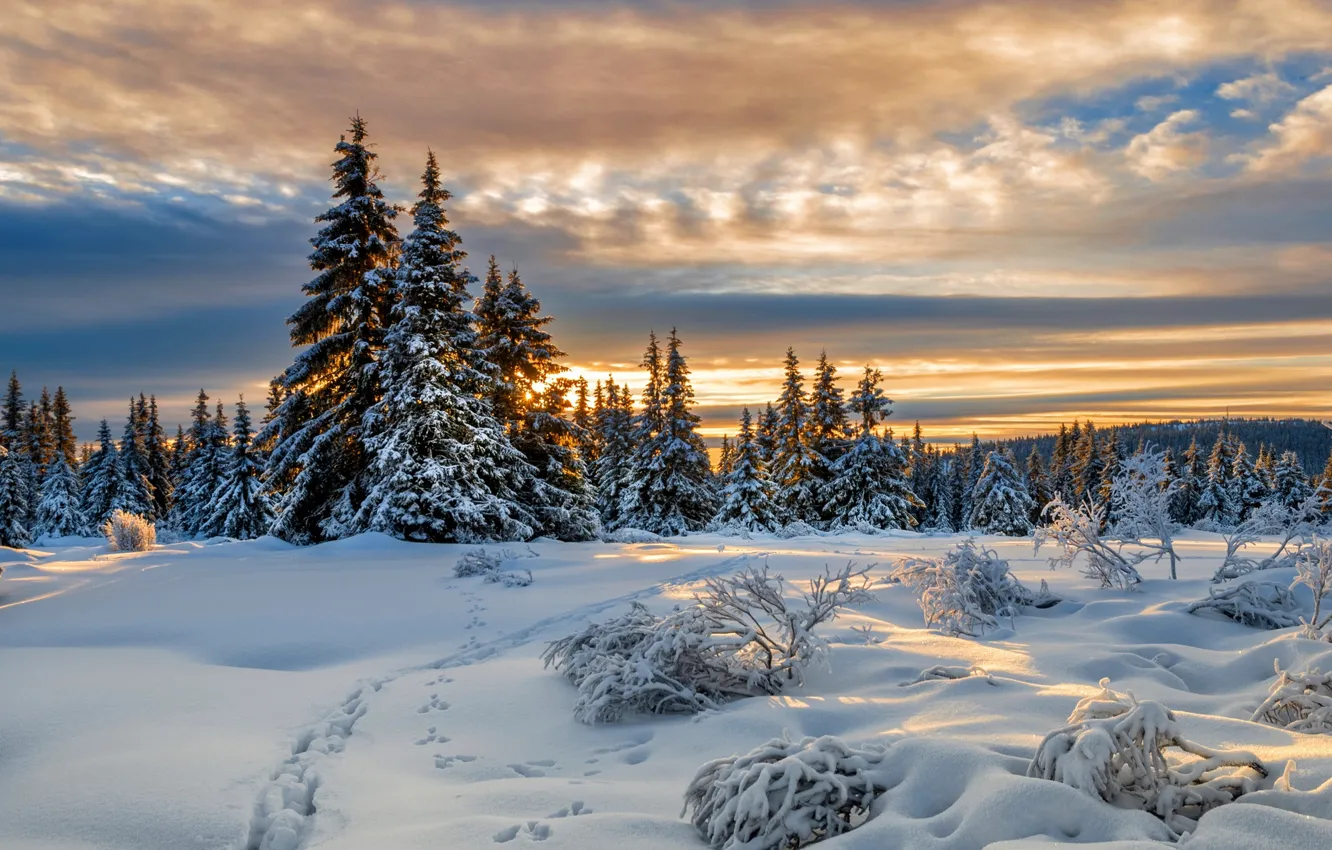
{"x": 253, "y": 695}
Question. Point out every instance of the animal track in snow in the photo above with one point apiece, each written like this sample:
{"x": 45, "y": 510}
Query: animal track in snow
{"x": 532, "y": 769}
{"x": 435, "y": 704}
{"x": 432, "y": 737}
{"x": 574, "y": 809}
{"x": 442, "y": 762}
{"x": 533, "y": 830}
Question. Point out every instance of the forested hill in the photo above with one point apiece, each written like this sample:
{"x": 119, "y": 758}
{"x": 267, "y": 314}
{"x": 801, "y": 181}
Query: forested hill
{"x": 1308, "y": 438}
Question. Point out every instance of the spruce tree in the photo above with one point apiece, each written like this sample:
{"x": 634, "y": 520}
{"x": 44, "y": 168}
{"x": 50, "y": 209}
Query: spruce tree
{"x": 615, "y": 435}
{"x": 725, "y": 457}
{"x": 442, "y": 467}
{"x": 957, "y": 489}
{"x": 795, "y": 465}
{"x": 1113, "y": 455}
{"x": 11, "y": 428}
{"x": 1185, "y": 507}
{"x": 1088, "y": 465}
{"x": 1002, "y": 504}
{"x": 921, "y": 473}
{"x": 868, "y": 488}
{"x": 829, "y": 435}
{"x": 975, "y": 465}
{"x": 134, "y": 491}
{"x": 1216, "y": 501}
{"x": 515, "y": 343}
{"x": 1061, "y": 467}
{"x": 13, "y": 502}
{"x": 1290, "y": 485}
{"x": 636, "y": 509}
{"x": 63, "y": 429}
{"x": 747, "y": 498}
{"x": 239, "y": 507}
{"x": 1248, "y": 489}
{"x": 561, "y": 495}
{"x": 942, "y": 508}
{"x": 674, "y": 476}
{"x": 59, "y": 513}
{"x": 100, "y": 477}
{"x": 765, "y": 434}
{"x": 1038, "y": 485}
{"x": 159, "y": 461}
{"x": 318, "y": 459}
{"x": 583, "y": 421}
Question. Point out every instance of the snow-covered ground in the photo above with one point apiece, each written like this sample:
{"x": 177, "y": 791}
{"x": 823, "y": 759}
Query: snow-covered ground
{"x": 174, "y": 699}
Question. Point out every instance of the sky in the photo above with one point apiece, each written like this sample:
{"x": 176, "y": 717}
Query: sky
{"x": 1022, "y": 212}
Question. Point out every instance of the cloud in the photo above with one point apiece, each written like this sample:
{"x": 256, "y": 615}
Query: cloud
{"x": 1259, "y": 88}
{"x": 1154, "y": 102}
{"x": 1167, "y": 148}
{"x": 1303, "y": 137}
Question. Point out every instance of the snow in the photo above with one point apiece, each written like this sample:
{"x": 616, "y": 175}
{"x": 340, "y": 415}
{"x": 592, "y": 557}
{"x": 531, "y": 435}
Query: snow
{"x": 196, "y": 695}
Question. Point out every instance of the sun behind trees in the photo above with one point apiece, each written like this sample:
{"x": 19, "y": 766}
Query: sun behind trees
{"x": 415, "y": 409}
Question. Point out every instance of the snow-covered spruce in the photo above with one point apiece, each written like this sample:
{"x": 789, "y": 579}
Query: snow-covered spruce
{"x": 126, "y": 532}
{"x": 58, "y": 512}
{"x": 868, "y": 488}
{"x": 13, "y": 502}
{"x": 785, "y": 794}
{"x": 740, "y": 638}
{"x": 1298, "y": 702}
{"x": 1261, "y": 605}
{"x": 747, "y": 500}
{"x": 489, "y": 567}
{"x": 239, "y": 508}
{"x": 1000, "y": 503}
{"x": 967, "y": 591}
{"x": 1133, "y": 755}
{"x": 441, "y": 468}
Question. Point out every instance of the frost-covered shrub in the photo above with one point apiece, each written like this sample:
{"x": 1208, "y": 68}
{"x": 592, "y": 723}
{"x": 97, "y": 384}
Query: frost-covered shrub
{"x": 940, "y": 672}
{"x": 488, "y": 566}
{"x": 967, "y": 591}
{"x": 1313, "y": 566}
{"x": 1077, "y": 533}
{"x": 740, "y": 638}
{"x": 785, "y": 794}
{"x": 1294, "y": 525}
{"x": 1299, "y": 702}
{"x": 1132, "y": 755}
{"x": 1259, "y": 604}
{"x": 631, "y": 535}
{"x": 127, "y": 532}
{"x": 798, "y": 528}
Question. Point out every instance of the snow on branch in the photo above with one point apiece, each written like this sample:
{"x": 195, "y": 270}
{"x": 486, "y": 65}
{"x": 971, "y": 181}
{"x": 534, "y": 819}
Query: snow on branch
{"x": 1077, "y": 533}
{"x": 1298, "y": 702}
{"x": 1259, "y": 604}
{"x": 785, "y": 794}
{"x": 1294, "y": 526}
{"x": 741, "y": 638}
{"x": 967, "y": 591}
{"x": 1133, "y": 755}
{"x": 1142, "y": 493}
{"x": 1313, "y": 567}
{"x": 488, "y": 566}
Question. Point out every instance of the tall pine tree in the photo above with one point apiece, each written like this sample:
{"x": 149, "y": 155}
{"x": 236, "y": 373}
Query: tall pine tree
{"x": 442, "y": 466}
{"x": 868, "y": 488}
{"x": 747, "y": 499}
{"x": 1001, "y": 503}
{"x": 59, "y": 513}
{"x": 318, "y": 460}
{"x": 13, "y": 502}
{"x": 795, "y": 466}
{"x": 100, "y": 477}
{"x": 239, "y": 507}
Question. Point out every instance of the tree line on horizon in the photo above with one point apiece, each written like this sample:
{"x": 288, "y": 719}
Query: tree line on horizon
{"x": 415, "y": 410}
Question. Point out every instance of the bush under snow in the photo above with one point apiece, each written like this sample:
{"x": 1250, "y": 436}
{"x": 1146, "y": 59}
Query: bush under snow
{"x": 739, "y": 639}
{"x": 127, "y": 532}
{"x": 489, "y": 567}
{"x": 1298, "y": 702}
{"x": 1132, "y": 755}
{"x": 785, "y": 794}
{"x": 967, "y": 591}
{"x": 1260, "y": 604}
